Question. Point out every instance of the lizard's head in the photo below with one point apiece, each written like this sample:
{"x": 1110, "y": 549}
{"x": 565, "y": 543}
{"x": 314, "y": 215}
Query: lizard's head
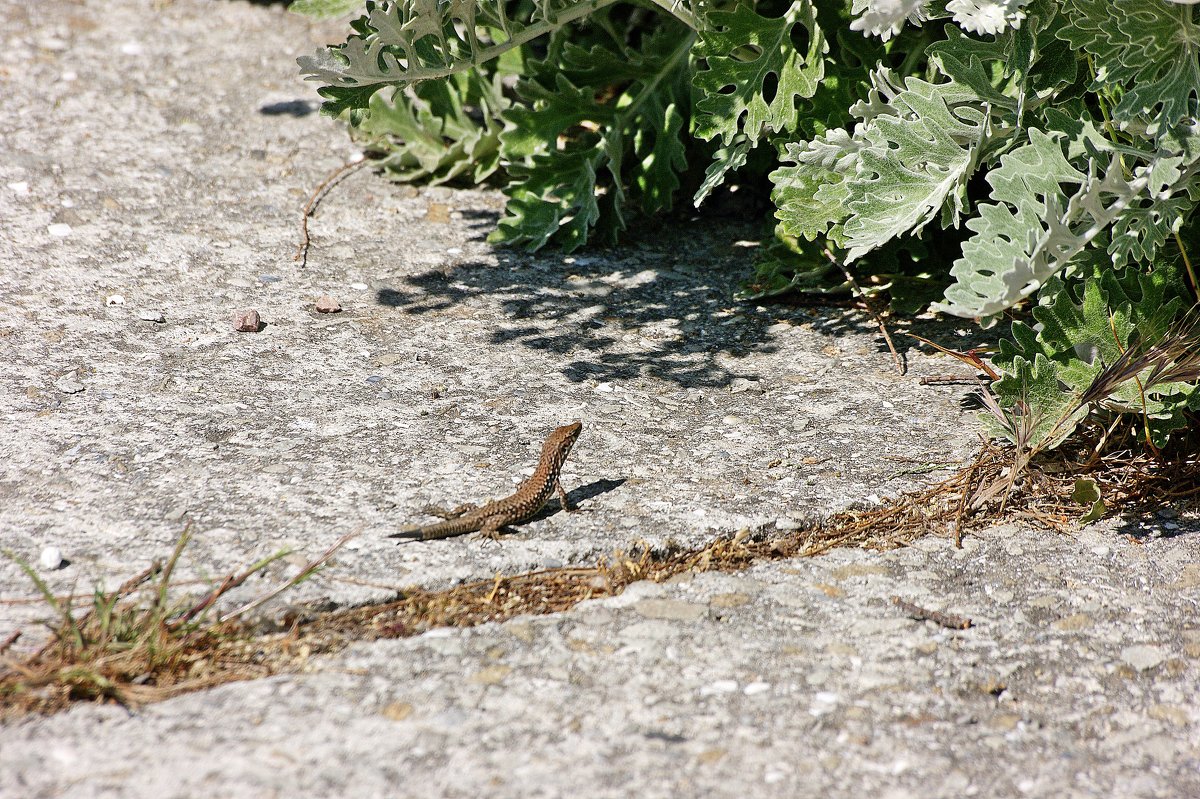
{"x": 563, "y": 438}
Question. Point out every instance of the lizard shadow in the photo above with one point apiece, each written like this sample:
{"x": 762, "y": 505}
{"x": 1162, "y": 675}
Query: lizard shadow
{"x": 589, "y": 491}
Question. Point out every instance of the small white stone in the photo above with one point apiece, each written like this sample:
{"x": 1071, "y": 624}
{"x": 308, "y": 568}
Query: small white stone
{"x": 19, "y": 187}
{"x": 604, "y": 388}
{"x": 1101, "y": 551}
{"x": 756, "y": 688}
{"x": 51, "y": 558}
{"x": 114, "y": 299}
{"x": 454, "y": 250}
{"x": 1143, "y": 657}
{"x": 132, "y": 48}
{"x": 67, "y": 202}
{"x": 719, "y": 687}
{"x": 69, "y": 386}
{"x": 59, "y": 229}
{"x": 359, "y": 286}
{"x": 152, "y": 316}
{"x": 823, "y": 703}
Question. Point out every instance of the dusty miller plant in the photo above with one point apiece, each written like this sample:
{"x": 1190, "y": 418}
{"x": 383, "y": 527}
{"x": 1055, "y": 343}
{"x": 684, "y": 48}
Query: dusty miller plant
{"x": 1053, "y": 145}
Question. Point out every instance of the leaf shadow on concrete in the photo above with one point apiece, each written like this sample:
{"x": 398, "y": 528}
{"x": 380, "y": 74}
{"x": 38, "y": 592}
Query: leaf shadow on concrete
{"x": 676, "y": 305}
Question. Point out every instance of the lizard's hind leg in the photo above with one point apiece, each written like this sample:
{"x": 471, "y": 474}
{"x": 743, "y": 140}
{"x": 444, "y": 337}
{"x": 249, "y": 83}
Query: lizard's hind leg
{"x": 451, "y": 513}
{"x": 490, "y": 530}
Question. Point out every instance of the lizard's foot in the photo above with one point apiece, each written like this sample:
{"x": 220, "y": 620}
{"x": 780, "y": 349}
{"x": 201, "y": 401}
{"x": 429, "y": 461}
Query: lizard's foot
{"x": 488, "y": 535}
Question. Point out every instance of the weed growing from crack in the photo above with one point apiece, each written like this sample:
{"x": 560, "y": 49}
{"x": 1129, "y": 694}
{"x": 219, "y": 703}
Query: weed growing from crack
{"x": 137, "y": 644}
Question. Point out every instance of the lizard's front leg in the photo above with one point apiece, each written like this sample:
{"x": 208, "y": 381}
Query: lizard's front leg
{"x": 562, "y": 498}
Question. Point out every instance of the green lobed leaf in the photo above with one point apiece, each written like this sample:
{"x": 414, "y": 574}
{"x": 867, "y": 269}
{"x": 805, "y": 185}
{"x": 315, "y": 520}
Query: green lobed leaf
{"x": 1089, "y": 324}
{"x": 1035, "y": 228}
{"x": 553, "y": 194}
{"x": 725, "y": 159}
{"x": 399, "y": 43}
{"x": 905, "y": 164}
{"x": 325, "y": 9}
{"x": 1045, "y": 414}
{"x": 595, "y": 129}
{"x": 916, "y": 165}
{"x": 746, "y": 56}
{"x": 1087, "y": 492}
{"x": 993, "y": 69}
{"x": 811, "y": 193}
{"x": 430, "y": 133}
{"x": 1145, "y": 53}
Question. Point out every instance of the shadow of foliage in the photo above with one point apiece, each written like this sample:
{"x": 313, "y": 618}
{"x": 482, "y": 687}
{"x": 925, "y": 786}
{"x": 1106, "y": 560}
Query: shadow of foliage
{"x": 290, "y": 108}
{"x": 640, "y": 310}
{"x": 659, "y": 306}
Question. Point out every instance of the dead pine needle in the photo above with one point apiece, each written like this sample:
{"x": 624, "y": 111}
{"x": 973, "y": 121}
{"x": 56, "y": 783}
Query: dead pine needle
{"x": 308, "y": 570}
{"x": 965, "y": 494}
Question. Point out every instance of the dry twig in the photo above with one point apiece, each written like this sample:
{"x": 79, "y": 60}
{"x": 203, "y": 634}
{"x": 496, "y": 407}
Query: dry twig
{"x": 919, "y": 613}
{"x": 315, "y": 198}
{"x": 866, "y": 301}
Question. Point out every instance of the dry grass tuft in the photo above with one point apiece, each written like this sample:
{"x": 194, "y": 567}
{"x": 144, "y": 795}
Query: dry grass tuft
{"x": 134, "y": 645}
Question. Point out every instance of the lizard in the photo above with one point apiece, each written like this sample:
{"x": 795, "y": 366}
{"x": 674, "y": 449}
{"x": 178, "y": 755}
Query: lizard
{"x": 529, "y": 498}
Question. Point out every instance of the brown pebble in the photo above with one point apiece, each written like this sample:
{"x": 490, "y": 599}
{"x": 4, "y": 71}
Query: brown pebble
{"x": 328, "y": 304}
{"x": 397, "y": 711}
{"x": 247, "y": 322}
{"x": 437, "y": 213}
